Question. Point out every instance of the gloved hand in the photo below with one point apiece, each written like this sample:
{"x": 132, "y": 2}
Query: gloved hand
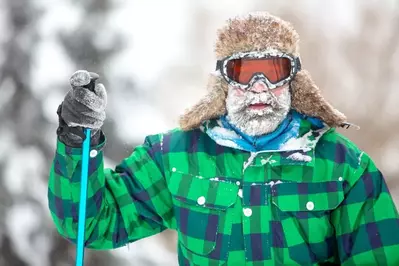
{"x": 82, "y": 108}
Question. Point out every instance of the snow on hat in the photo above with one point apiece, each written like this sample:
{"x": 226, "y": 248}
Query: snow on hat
{"x": 260, "y": 31}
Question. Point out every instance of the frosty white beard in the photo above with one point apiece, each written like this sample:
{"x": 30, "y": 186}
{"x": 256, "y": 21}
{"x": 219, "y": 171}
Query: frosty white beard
{"x": 257, "y": 122}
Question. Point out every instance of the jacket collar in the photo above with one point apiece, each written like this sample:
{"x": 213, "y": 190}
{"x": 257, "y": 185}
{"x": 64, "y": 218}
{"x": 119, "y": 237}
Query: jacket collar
{"x": 295, "y": 134}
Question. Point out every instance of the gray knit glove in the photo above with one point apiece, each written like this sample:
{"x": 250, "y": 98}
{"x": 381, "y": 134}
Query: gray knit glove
{"x": 83, "y": 107}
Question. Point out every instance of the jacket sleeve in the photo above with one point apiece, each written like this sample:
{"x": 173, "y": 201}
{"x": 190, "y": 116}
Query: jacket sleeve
{"x": 367, "y": 221}
{"x": 124, "y": 204}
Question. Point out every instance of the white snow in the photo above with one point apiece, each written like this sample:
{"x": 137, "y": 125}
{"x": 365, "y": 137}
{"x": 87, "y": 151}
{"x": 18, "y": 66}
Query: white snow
{"x": 161, "y": 142}
{"x": 268, "y": 160}
{"x": 297, "y": 156}
{"x": 272, "y": 183}
{"x": 303, "y": 143}
{"x": 250, "y": 160}
{"x": 360, "y": 158}
{"x": 226, "y": 133}
{"x": 227, "y": 143}
{"x": 297, "y": 143}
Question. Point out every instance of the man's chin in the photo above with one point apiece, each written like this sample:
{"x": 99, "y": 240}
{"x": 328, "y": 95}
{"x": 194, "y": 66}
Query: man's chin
{"x": 255, "y": 123}
{"x": 265, "y": 112}
{"x": 259, "y": 125}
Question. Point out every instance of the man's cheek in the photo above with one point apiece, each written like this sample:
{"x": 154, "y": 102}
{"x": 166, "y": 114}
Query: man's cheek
{"x": 278, "y": 91}
{"x": 237, "y": 91}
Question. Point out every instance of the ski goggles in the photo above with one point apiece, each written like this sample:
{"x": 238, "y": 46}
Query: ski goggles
{"x": 244, "y": 69}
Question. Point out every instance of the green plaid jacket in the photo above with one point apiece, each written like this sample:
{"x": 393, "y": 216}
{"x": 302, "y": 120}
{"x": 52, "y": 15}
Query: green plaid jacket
{"x": 231, "y": 207}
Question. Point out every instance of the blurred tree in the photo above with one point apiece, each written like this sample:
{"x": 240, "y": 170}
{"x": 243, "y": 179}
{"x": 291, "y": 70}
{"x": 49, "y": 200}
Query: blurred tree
{"x": 22, "y": 122}
{"x": 90, "y": 46}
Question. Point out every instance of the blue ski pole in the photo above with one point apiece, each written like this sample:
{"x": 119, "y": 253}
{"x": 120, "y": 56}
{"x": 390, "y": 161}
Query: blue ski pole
{"x": 80, "y": 249}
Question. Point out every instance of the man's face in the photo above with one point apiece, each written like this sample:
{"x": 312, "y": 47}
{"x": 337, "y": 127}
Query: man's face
{"x": 258, "y": 110}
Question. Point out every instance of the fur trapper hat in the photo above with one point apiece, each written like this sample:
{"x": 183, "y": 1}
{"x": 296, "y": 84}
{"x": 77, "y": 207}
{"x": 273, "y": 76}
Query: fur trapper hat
{"x": 259, "y": 32}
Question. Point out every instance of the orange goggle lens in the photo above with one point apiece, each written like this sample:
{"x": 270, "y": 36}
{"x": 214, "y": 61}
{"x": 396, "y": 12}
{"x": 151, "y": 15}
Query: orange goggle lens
{"x": 242, "y": 70}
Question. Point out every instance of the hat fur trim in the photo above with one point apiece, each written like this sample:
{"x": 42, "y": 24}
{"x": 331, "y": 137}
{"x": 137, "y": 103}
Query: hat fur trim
{"x": 307, "y": 100}
{"x": 257, "y": 31}
{"x": 213, "y": 105}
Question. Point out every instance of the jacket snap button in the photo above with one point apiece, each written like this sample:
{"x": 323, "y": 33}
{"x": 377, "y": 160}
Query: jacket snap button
{"x": 201, "y": 200}
{"x": 247, "y": 212}
{"x": 310, "y": 205}
{"x": 93, "y": 153}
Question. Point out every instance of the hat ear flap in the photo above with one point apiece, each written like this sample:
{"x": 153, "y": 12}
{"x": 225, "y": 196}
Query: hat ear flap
{"x": 212, "y": 105}
{"x": 307, "y": 99}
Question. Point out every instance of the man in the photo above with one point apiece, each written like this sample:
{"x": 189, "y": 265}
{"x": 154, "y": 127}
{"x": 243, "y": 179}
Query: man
{"x": 255, "y": 175}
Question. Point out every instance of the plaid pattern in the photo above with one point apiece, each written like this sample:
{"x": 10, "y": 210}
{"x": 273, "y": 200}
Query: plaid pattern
{"x": 335, "y": 208}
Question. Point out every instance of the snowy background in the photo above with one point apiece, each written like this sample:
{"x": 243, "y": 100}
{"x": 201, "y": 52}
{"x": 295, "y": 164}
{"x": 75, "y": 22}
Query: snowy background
{"x": 154, "y": 57}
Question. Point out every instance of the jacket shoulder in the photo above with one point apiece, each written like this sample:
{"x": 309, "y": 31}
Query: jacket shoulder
{"x": 340, "y": 149}
{"x": 172, "y": 137}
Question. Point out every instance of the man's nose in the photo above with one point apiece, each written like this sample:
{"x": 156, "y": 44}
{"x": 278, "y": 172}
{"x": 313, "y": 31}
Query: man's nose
{"x": 259, "y": 87}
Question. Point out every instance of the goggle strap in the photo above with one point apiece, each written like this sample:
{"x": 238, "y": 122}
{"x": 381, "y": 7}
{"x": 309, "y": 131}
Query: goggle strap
{"x": 298, "y": 64}
{"x": 219, "y": 64}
